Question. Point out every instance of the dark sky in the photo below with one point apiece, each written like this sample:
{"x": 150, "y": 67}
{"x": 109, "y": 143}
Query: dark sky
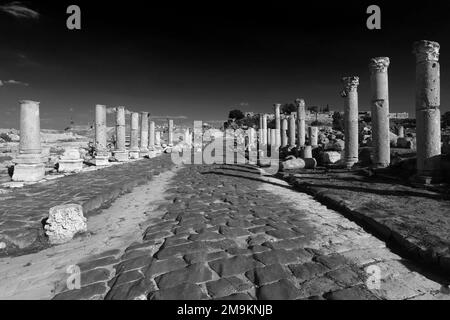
{"x": 201, "y": 59}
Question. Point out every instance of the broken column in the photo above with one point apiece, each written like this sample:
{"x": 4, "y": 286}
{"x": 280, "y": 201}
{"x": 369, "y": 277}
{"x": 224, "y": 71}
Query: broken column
{"x": 277, "y": 108}
{"x": 291, "y": 131}
{"x": 134, "y": 136}
{"x": 301, "y": 122}
{"x": 401, "y": 132}
{"x": 428, "y": 116}
{"x": 170, "y": 133}
{"x": 120, "y": 154}
{"x": 313, "y": 133}
{"x": 350, "y": 95}
{"x": 380, "y": 111}
{"x": 29, "y": 164}
{"x": 284, "y": 128}
{"x": 144, "y": 135}
{"x": 101, "y": 152}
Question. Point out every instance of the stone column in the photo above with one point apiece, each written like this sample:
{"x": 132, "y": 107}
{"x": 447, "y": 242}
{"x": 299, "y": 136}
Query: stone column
{"x": 284, "y": 128}
{"x": 158, "y": 142}
{"x": 151, "y": 140}
{"x": 301, "y": 122}
{"x": 134, "y": 136}
{"x": 428, "y": 116}
{"x": 291, "y": 131}
{"x": 380, "y": 111}
{"x": 170, "y": 133}
{"x": 277, "y": 108}
{"x": 313, "y": 133}
{"x": 274, "y": 137}
{"x": 306, "y": 152}
{"x": 120, "y": 154}
{"x": 264, "y": 127}
{"x": 101, "y": 152}
{"x": 151, "y": 136}
{"x": 350, "y": 95}
{"x": 269, "y": 136}
{"x": 401, "y": 132}
{"x": 144, "y": 135}
{"x": 29, "y": 163}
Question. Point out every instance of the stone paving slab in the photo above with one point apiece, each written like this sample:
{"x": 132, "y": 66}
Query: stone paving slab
{"x": 22, "y": 210}
{"x": 416, "y": 221}
{"x": 187, "y": 252}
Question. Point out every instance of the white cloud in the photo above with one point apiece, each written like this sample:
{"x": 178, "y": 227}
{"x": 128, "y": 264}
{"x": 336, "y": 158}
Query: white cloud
{"x": 19, "y": 10}
{"x": 13, "y": 82}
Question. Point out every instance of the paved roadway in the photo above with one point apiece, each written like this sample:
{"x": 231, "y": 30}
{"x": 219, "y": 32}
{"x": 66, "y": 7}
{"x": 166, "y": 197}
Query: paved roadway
{"x": 226, "y": 232}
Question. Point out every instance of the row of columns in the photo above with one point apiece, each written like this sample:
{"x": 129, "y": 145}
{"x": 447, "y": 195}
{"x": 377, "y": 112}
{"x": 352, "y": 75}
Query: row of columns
{"x": 143, "y": 138}
{"x": 427, "y": 114}
{"x": 30, "y": 162}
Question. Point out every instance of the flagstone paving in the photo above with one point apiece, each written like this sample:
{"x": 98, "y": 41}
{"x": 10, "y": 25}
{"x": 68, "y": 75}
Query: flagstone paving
{"x": 226, "y": 232}
{"x": 23, "y": 210}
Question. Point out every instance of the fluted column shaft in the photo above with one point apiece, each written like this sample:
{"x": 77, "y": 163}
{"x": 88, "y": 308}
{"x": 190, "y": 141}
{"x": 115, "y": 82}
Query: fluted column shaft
{"x": 350, "y": 95}
{"x": 428, "y": 116}
{"x": 301, "y": 122}
{"x": 380, "y": 110}
{"x": 134, "y": 136}
{"x": 120, "y": 129}
{"x": 277, "y": 108}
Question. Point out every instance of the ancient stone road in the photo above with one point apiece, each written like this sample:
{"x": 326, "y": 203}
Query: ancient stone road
{"x": 224, "y": 233}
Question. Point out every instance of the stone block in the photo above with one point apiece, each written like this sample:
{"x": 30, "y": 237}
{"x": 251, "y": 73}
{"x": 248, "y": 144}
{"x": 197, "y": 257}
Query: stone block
{"x": 330, "y": 157}
{"x": 296, "y": 163}
{"x": 64, "y": 222}
{"x": 121, "y": 156}
{"x": 70, "y": 165}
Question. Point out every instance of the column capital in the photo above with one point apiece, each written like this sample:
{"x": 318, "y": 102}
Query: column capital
{"x": 277, "y": 105}
{"x": 300, "y": 102}
{"x": 379, "y": 64}
{"x": 29, "y": 102}
{"x": 426, "y": 50}
{"x": 350, "y": 84}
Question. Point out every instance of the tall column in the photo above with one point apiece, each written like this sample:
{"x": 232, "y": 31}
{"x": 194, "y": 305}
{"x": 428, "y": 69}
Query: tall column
{"x": 428, "y": 116}
{"x": 313, "y": 132}
{"x": 277, "y": 108}
{"x": 29, "y": 163}
{"x": 301, "y": 121}
{"x": 120, "y": 154}
{"x": 291, "y": 131}
{"x": 170, "y": 132}
{"x": 101, "y": 152}
{"x": 134, "y": 136}
{"x": 158, "y": 142}
{"x": 151, "y": 135}
{"x": 264, "y": 127}
{"x": 380, "y": 111}
{"x": 274, "y": 137}
{"x": 144, "y": 135}
{"x": 350, "y": 95}
{"x": 284, "y": 128}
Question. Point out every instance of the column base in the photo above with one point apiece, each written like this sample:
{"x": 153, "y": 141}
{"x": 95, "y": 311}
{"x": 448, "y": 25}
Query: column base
{"x": 134, "y": 154}
{"x": 422, "y": 180}
{"x": 28, "y": 172}
{"x": 100, "y": 161}
{"x": 143, "y": 153}
{"x": 121, "y": 156}
{"x": 70, "y": 165}
{"x": 349, "y": 163}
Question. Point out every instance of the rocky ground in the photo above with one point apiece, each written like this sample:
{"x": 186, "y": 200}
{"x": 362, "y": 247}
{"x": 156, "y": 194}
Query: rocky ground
{"x": 413, "y": 219}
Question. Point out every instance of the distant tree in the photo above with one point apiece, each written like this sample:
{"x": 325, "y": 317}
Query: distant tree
{"x": 288, "y": 108}
{"x": 236, "y": 114}
{"x": 338, "y": 121}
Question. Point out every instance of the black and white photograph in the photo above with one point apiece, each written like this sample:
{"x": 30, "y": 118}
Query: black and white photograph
{"x": 206, "y": 152}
